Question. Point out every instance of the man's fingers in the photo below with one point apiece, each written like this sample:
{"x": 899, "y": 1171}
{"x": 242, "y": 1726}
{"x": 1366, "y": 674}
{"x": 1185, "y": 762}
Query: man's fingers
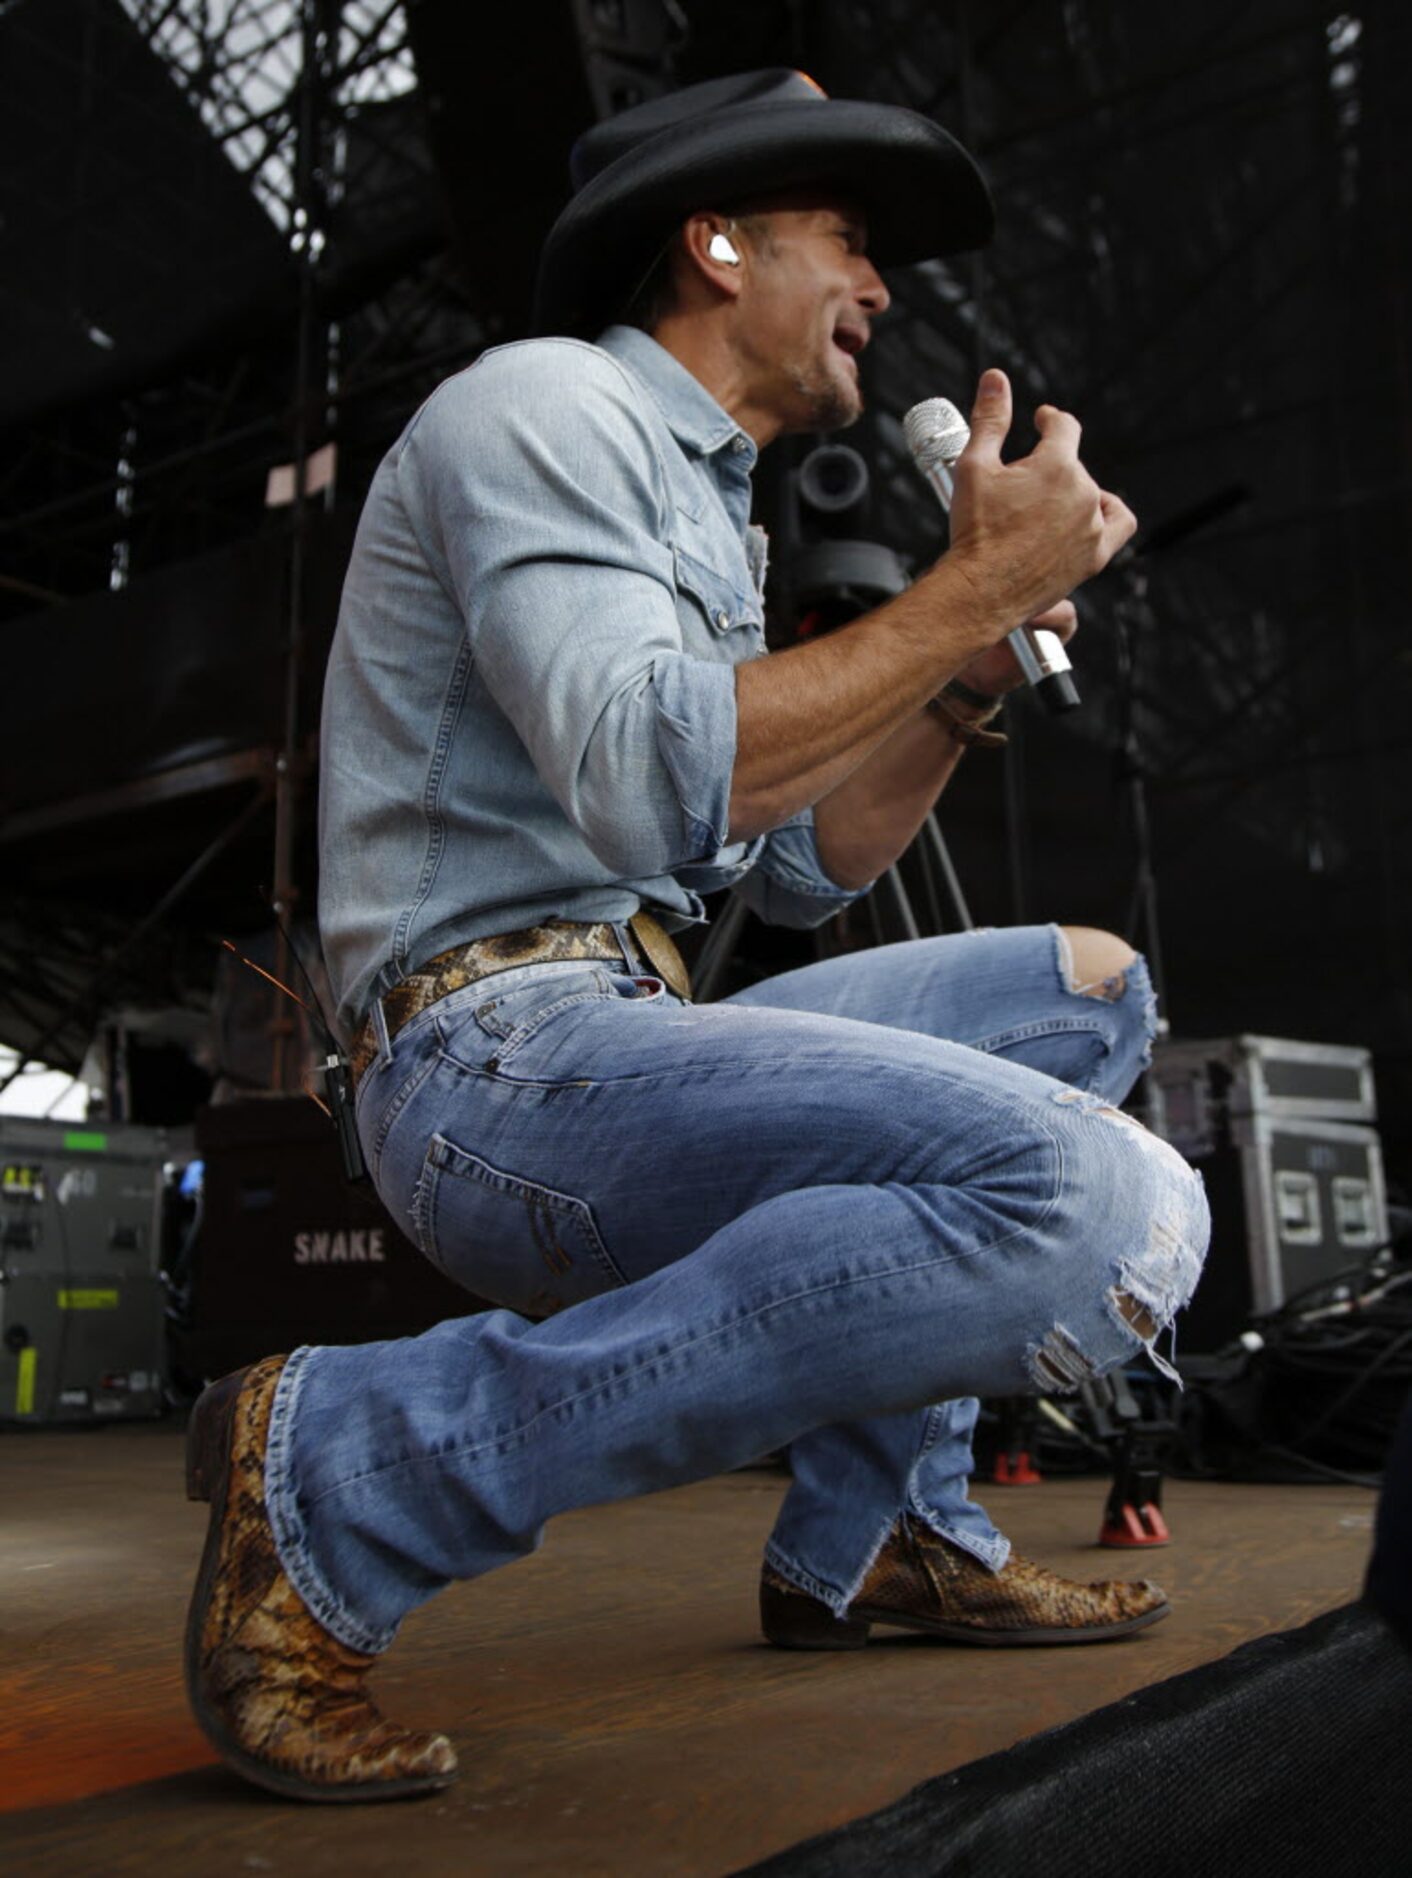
{"x": 1061, "y": 618}
{"x": 1059, "y": 431}
{"x": 990, "y": 417}
{"x": 1119, "y": 522}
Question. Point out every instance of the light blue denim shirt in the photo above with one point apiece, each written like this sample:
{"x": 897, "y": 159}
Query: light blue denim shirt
{"x": 529, "y": 710}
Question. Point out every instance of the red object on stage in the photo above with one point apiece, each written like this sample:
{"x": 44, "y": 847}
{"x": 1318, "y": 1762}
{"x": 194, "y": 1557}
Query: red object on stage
{"x": 1015, "y": 1470}
{"x": 1129, "y": 1525}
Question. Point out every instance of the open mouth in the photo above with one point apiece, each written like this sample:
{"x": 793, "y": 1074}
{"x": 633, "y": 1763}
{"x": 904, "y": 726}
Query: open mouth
{"x": 850, "y": 340}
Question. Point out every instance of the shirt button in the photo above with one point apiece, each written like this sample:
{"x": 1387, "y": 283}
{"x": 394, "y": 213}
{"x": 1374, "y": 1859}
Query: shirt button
{"x": 722, "y": 617}
{"x": 739, "y": 445}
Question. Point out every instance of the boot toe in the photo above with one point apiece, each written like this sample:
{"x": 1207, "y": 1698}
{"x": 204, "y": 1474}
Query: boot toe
{"x": 433, "y": 1758}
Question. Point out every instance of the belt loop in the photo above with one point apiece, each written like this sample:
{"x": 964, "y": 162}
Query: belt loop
{"x": 630, "y": 955}
{"x": 377, "y": 1017}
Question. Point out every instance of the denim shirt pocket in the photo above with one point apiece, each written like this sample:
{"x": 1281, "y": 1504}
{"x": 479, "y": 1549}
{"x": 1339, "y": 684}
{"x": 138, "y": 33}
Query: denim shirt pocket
{"x": 726, "y": 604}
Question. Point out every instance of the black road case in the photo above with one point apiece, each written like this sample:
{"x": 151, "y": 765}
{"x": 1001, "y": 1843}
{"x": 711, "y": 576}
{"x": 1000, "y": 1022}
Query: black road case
{"x": 1281, "y": 1132}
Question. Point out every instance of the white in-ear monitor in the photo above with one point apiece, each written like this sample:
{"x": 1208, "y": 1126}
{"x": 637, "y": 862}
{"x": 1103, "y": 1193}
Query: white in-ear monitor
{"x": 721, "y": 248}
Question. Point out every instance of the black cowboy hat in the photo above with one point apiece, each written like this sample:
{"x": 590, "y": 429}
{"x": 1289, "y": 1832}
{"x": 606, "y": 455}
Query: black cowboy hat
{"x": 637, "y": 176}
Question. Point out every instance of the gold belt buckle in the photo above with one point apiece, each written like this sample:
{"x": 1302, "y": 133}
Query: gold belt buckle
{"x": 661, "y": 953}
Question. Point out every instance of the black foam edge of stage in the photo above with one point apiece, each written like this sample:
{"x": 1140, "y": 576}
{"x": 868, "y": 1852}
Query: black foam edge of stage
{"x": 1288, "y": 1756}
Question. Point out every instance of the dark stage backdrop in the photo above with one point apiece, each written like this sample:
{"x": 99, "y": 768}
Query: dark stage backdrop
{"x": 1202, "y": 248}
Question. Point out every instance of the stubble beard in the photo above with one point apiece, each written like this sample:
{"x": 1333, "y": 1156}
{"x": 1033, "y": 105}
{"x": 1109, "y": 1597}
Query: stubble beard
{"x": 830, "y": 404}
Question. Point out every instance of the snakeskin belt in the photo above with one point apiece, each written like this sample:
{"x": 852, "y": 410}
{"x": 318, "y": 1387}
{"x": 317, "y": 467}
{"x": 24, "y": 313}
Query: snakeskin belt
{"x": 534, "y": 945}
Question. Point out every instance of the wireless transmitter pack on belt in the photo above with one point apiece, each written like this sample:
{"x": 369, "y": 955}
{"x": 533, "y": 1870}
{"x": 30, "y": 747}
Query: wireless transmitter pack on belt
{"x": 335, "y": 1071}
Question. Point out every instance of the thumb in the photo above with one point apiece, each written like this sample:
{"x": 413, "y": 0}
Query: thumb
{"x": 990, "y": 416}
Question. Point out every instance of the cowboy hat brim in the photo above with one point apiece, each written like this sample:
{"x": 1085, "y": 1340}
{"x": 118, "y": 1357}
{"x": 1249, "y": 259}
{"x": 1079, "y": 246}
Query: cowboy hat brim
{"x": 922, "y": 194}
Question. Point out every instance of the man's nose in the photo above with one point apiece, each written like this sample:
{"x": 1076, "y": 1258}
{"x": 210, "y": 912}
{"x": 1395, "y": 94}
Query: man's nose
{"x": 869, "y": 289}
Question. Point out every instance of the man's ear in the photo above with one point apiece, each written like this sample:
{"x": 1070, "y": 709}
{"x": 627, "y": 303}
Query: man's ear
{"x": 711, "y": 248}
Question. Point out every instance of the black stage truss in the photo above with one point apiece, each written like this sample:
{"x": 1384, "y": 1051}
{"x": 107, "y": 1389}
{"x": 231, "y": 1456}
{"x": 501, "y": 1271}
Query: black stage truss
{"x": 296, "y": 215}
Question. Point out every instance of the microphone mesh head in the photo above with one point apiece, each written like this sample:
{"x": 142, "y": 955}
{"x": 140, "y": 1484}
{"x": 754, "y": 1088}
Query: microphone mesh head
{"x": 935, "y": 431}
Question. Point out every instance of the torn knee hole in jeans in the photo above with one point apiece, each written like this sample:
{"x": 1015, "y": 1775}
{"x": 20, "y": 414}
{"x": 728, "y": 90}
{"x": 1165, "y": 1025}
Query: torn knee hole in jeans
{"x": 1133, "y": 1313}
{"x": 1070, "y": 1098}
{"x": 1151, "y": 1290}
{"x": 1059, "y": 1365}
{"x": 1094, "y": 1104}
{"x": 1161, "y": 1280}
{"x": 1145, "y": 1300}
{"x": 1110, "y": 987}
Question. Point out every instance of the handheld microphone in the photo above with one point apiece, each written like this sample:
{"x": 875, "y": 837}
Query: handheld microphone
{"x": 936, "y": 435}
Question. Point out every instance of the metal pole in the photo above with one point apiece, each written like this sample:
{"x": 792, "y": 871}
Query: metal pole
{"x": 1142, "y": 921}
{"x": 319, "y": 31}
{"x": 1016, "y": 821}
{"x": 1016, "y": 818}
{"x": 891, "y": 883}
{"x": 933, "y": 838}
{"x": 923, "y": 854}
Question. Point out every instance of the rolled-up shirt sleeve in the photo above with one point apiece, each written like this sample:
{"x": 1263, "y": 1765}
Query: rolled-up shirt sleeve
{"x": 538, "y": 497}
{"x": 788, "y": 885}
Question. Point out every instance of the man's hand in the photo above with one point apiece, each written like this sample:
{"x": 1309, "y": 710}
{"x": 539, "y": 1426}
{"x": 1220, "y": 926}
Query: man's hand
{"x": 997, "y": 670}
{"x": 1022, "y": 535}
{"x": 1025, "y": 534}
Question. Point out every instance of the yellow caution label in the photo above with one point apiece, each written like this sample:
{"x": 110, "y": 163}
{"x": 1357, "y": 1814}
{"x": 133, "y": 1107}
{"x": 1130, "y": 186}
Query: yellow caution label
{"x": 88, "y": 1300}
{"x": 24, "y": 1381}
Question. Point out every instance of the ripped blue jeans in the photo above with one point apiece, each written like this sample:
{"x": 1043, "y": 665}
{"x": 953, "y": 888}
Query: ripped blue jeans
{"x": 827, "y": 1213}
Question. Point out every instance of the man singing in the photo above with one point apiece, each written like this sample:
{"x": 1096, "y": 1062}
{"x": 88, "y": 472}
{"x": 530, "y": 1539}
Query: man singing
{"x": 824, "y": 1214}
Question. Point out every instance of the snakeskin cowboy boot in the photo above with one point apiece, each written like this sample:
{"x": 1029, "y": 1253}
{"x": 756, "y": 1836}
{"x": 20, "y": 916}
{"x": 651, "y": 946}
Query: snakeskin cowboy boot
{"x": 280, "y": 1699}
{"x": 920, "y": 1581}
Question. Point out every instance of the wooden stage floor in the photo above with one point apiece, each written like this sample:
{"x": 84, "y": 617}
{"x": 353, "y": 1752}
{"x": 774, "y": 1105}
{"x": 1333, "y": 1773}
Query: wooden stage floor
{"x": 612, "y": 1705}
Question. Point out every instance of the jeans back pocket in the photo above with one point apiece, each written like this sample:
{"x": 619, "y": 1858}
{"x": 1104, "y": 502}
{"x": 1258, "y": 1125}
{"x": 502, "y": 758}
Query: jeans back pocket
{"x": 520, "y": 1243}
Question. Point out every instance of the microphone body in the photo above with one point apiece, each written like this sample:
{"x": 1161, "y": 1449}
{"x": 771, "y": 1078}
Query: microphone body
{"x": 936, "y": 435}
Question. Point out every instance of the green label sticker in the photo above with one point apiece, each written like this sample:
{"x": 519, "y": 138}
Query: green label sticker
{"x": 83, "y": 1142}
{"x": 24, "y": 1381}
{"x": 88, "y": 1300}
